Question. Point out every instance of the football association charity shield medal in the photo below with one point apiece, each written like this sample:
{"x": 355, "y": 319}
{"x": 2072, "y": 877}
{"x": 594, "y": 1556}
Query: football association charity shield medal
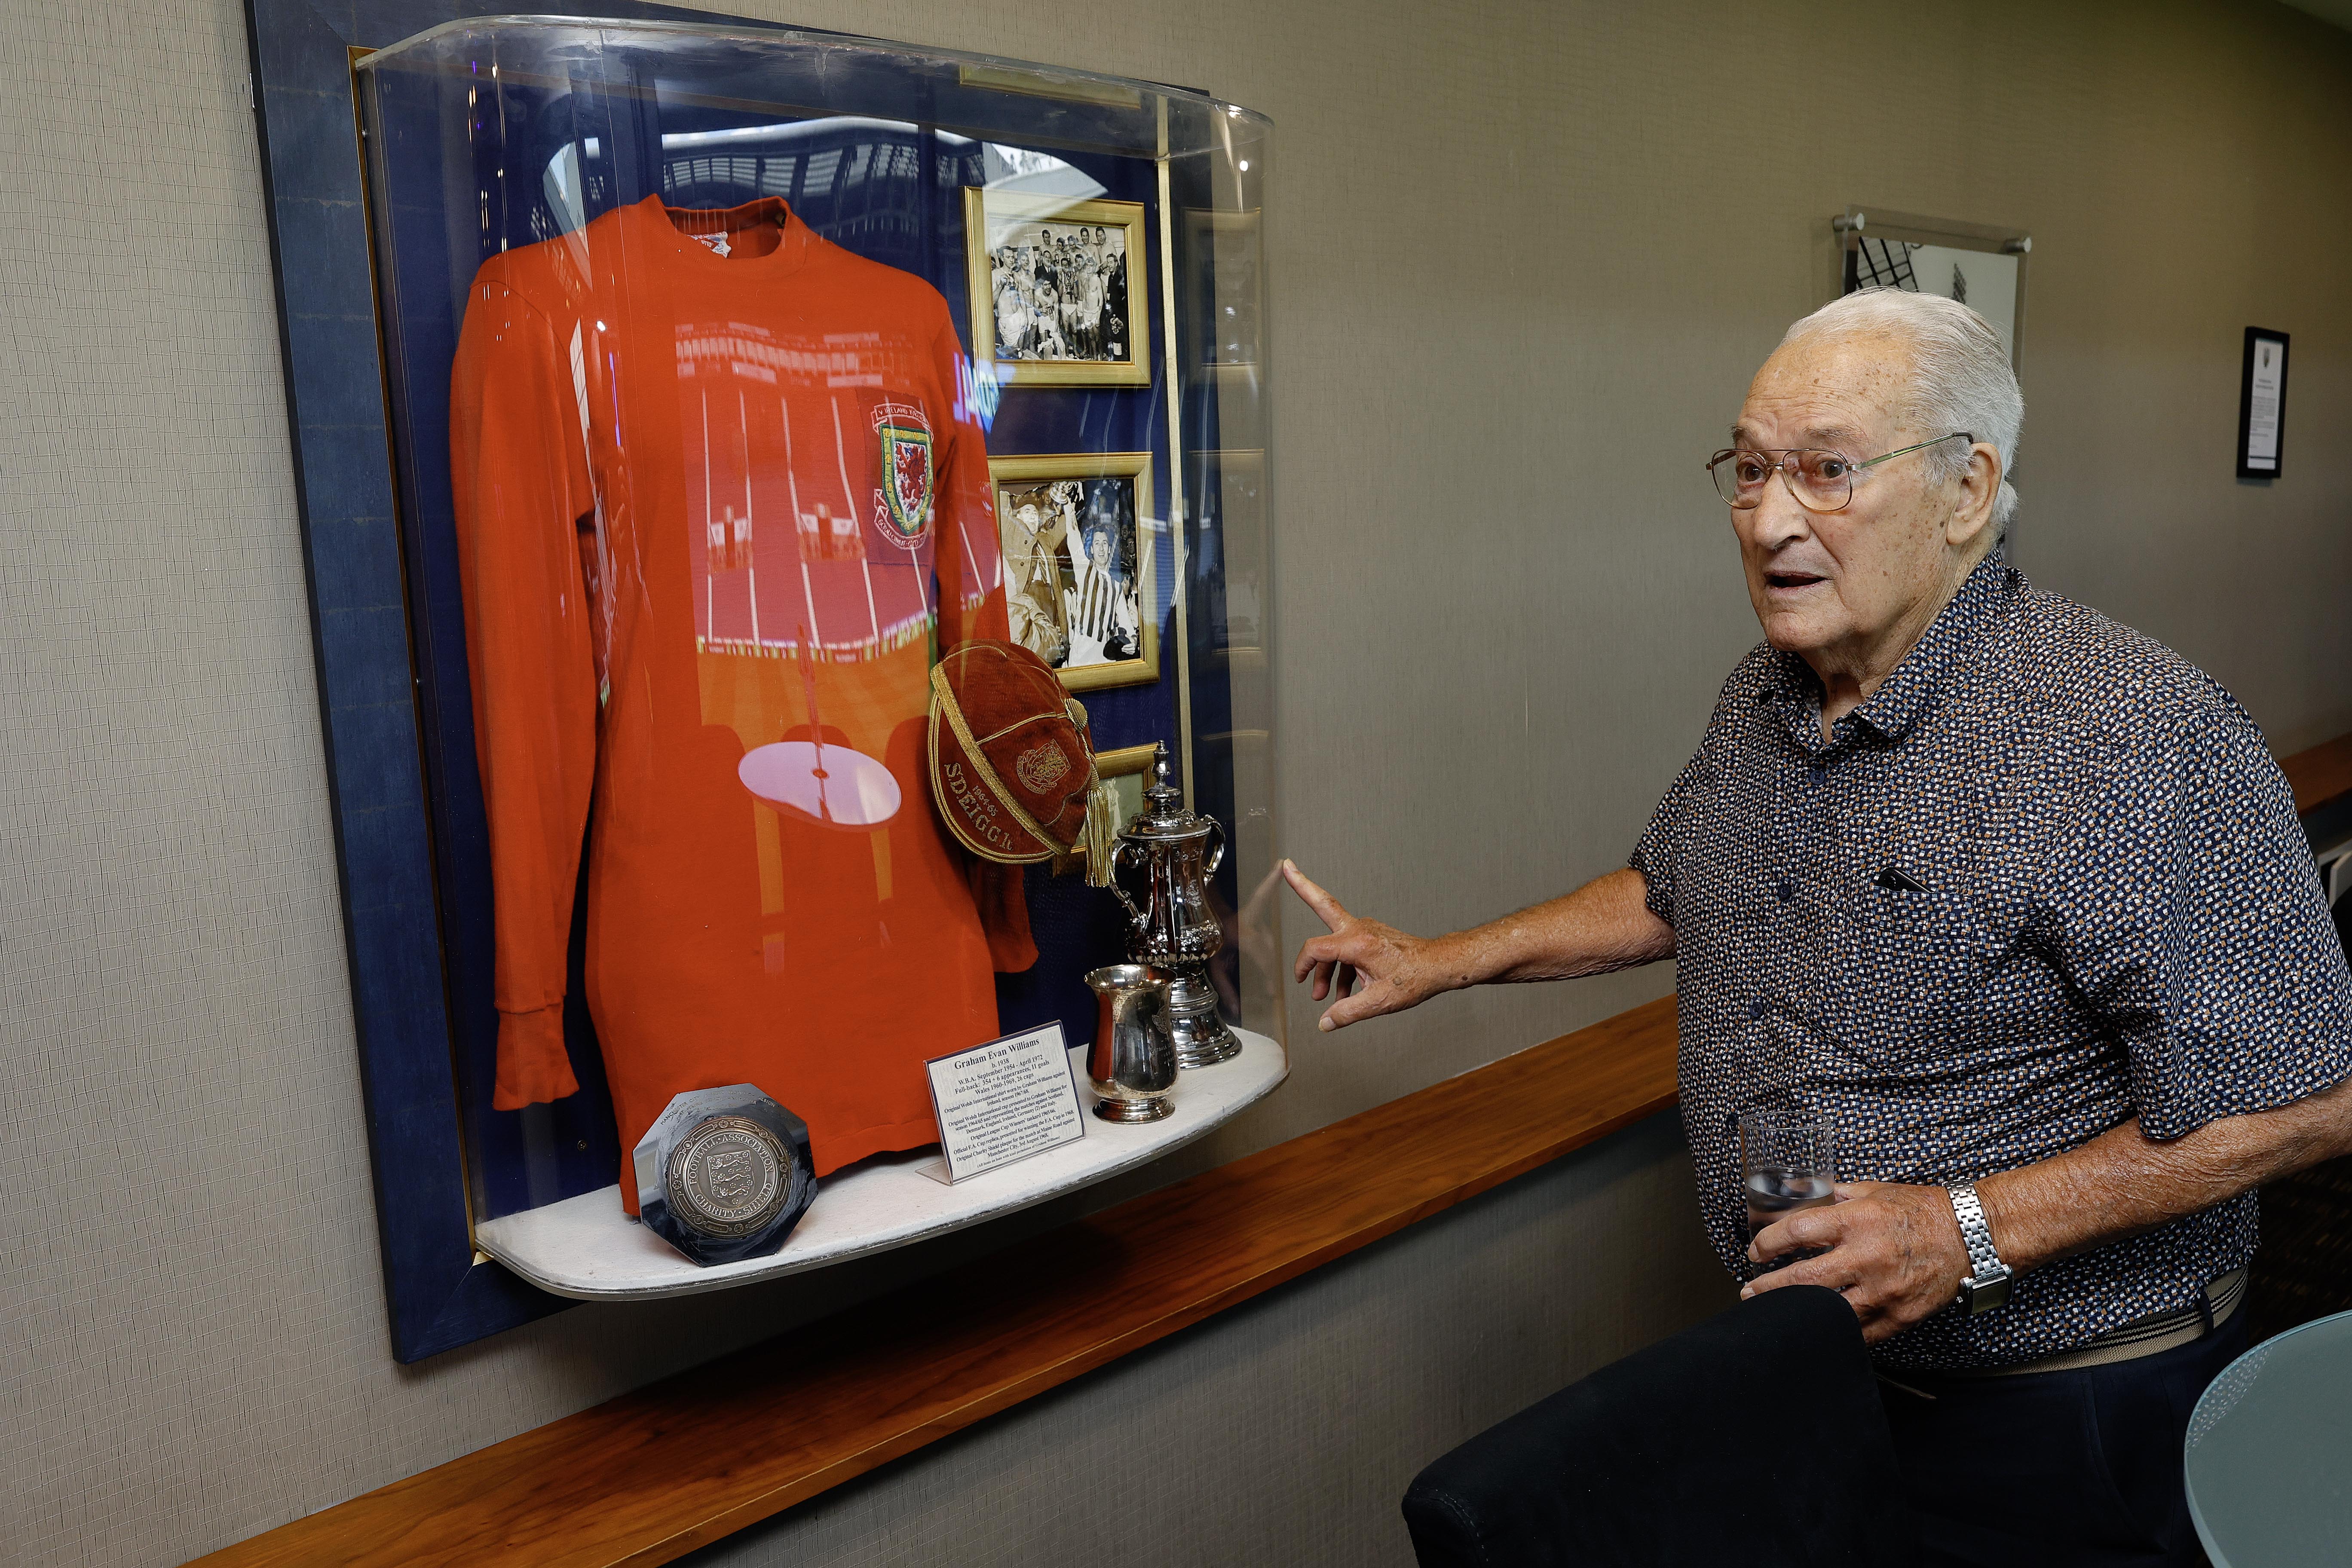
{"x": 724, "y": 1174}
{"x": 1175, "y": 929}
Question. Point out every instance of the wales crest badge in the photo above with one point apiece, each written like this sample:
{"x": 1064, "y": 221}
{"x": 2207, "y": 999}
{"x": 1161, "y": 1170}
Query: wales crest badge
{"x": 903, "y": 501}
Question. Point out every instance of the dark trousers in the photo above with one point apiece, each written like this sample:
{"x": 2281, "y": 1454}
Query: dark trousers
{"x": 2073, "y": 1469}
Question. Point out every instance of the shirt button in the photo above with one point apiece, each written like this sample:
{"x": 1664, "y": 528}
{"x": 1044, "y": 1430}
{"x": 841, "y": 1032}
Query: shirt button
{"x": 1817, "y": 774}
{"x": 1786, "y": 890}
{"x": 1756, "y": 1009}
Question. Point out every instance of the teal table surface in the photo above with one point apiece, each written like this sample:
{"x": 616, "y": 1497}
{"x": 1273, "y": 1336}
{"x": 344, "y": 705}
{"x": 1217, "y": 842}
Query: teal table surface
{"x": 2270, "y": 1452}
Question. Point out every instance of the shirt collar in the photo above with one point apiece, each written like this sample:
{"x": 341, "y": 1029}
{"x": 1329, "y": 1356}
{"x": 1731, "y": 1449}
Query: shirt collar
{"x": 1949, "y": 642}
{"x": 1951, "y": 639}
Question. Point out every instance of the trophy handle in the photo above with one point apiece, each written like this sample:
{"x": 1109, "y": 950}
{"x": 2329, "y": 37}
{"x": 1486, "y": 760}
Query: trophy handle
{"x": 1216, "y": 856}
{"x": 1118, "y": 858}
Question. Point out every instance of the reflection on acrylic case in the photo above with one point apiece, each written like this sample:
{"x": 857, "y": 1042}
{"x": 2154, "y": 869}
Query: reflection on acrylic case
{"x": 1230, "y": 283}
{"x": 1228, "y": 564}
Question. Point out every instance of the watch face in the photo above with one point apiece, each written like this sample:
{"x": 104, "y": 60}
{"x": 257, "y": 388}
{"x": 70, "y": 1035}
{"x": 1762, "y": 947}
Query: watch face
{"x": 1984, "y": 1296}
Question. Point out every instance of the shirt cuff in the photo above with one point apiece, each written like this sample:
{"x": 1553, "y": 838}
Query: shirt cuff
{"x": 533, "y": 1066}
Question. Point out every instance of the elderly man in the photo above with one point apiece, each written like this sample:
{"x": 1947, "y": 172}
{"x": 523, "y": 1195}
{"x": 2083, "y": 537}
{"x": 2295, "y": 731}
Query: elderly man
{"x": 2015, "y": 897}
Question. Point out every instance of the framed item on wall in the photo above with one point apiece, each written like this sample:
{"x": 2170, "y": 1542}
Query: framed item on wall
{"x": 2262, "y": 406}
{"x": 1078, "y": 563}
{"x": 1980, "y": 265}
{"x": 1056, "y": 289}
{"x": 820, "y": 485}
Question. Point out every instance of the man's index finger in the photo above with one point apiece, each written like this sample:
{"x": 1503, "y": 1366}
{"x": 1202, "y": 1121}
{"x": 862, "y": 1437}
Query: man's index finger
{"x": 1322, "y": 903}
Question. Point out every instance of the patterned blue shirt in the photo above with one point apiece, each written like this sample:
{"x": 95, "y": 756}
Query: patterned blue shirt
{"x": 2110, "y": 911}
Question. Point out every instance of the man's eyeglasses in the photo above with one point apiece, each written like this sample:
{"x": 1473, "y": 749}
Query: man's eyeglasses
{"x": 1822, "y": 481}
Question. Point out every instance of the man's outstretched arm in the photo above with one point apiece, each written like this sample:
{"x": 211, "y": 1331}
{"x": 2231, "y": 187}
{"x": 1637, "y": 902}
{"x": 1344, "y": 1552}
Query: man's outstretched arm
{"x": 1368, "y": 968}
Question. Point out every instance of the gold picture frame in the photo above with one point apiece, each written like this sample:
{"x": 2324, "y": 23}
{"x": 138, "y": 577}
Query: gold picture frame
{"x": 1093, "y": 330}
{"x": 1039, "y": 82}
{"x": 1049, "y": 513}
{"x": 1128, "y": 771}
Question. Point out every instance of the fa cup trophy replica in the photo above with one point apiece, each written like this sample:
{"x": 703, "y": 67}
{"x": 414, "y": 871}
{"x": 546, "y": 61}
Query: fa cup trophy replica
{"x": 1173, "y": 928}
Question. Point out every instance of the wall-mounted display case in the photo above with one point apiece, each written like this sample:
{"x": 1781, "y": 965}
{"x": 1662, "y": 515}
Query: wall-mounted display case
{"x": 731, "y": 376}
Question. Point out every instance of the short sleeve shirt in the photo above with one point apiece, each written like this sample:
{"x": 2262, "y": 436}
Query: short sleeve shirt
{"x": 2047, "y": 879}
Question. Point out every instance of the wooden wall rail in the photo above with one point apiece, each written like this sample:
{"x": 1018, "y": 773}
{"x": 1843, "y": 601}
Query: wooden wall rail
{"x": 639, "y": 1481}
{"x": 2320, "y": 775}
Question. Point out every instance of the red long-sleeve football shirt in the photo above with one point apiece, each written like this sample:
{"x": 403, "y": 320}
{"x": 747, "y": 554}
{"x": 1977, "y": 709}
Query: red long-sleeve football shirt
{"x": 719, "y": 499}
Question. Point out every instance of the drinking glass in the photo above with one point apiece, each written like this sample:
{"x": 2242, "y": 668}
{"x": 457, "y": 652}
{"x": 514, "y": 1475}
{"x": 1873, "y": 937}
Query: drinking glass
{"x": 1788, "y": 1160}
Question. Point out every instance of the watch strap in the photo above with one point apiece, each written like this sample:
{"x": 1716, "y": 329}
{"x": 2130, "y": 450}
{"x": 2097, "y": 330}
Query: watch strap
{"x": 1985, "y": 1267}
{"x": 1970, "y": 1210}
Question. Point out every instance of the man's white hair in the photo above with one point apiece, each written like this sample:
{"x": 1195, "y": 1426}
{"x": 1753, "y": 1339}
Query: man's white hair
{"x": 1960, "y": 375}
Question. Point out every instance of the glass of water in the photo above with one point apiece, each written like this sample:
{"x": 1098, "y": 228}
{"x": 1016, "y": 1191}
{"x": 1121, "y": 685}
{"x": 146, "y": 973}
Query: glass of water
{"x": 1788, "y": 1160}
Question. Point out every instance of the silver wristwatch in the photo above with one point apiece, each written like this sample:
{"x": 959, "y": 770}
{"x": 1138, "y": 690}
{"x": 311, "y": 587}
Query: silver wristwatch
{"x": 1987, "y": 1285}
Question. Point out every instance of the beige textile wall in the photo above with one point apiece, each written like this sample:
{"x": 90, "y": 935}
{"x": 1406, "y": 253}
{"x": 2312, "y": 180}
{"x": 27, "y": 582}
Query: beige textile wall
{"x": 1524, "y": 258}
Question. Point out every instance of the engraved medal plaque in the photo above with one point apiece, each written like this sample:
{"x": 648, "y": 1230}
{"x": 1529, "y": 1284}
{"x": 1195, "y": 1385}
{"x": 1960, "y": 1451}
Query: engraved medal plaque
{"x": 729, "y": 1176}
{"x": 724, "y": 1174}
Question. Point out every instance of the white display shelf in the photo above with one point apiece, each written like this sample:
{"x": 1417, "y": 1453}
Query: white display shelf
{"x": 586, "y": 1248}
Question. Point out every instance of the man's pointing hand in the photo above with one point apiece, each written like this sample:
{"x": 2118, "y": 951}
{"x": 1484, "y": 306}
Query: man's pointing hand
{"x": 1365, "y": 967}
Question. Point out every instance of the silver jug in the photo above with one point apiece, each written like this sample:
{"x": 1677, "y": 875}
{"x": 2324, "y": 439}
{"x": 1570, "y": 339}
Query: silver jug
{"x": 1173, "y": 928}
{"x": 1133, "y": 1060}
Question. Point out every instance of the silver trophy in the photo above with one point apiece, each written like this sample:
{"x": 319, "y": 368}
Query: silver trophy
{"x": 1173, "y": 928}
{"x": 1133, "y": 1060}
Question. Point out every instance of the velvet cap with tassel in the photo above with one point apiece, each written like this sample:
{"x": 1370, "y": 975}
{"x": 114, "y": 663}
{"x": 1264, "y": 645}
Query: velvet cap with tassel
{"x": 1011, "y": 764}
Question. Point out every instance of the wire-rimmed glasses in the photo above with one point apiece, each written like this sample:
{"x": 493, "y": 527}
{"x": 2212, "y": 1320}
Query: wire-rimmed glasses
{"x": 1820, "y": 481}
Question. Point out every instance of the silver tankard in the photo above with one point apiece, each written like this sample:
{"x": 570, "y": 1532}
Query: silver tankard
{"x": 1174, "y": 928}
{"x": 1133, "y": 1060}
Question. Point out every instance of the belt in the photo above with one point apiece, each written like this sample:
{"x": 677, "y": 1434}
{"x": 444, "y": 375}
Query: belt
{"x": 2151, "y": 1335}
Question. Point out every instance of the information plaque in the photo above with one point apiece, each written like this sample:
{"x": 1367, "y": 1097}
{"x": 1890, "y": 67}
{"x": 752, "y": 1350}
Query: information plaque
{"x": 1004, "y": 1101}
{"x": 2262, "y": 406}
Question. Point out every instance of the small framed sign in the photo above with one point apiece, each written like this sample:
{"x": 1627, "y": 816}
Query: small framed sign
{"x": 1004, "y": 1101}
{"x": 2262, "y": 406}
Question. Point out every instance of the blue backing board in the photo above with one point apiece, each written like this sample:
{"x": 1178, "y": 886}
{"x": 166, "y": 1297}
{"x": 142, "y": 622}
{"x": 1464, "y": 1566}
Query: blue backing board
{"x": 388, "y": 628}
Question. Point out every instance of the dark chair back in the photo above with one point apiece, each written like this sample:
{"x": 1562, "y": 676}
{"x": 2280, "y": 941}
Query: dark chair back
{"x": 1756, "y": 1438}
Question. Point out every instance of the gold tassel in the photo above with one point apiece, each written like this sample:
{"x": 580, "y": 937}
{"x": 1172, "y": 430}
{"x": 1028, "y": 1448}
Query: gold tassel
{"x": 1101, "y": 833}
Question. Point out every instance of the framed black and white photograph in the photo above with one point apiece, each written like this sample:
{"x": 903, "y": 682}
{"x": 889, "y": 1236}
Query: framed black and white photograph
{"x": 1058, "y": 288}
{"x": 2262, "y": 406}
{"x": 1078, "y": 563}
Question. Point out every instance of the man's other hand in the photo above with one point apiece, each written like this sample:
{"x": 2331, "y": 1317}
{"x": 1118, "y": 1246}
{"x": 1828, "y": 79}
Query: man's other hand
{"x": 1365, "y": 967}
{"x": 1894, "y": 1253}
